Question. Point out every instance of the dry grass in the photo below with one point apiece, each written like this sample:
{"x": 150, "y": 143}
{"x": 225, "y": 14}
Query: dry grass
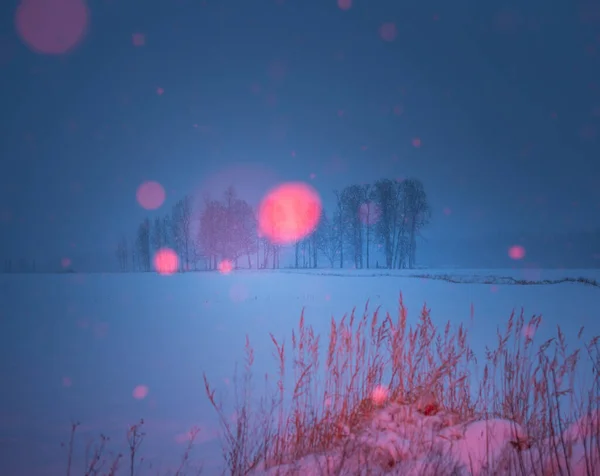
{"x": 535, "y": 386}
{"x": 100, "y": 461}
{"x": 323, "y": 392}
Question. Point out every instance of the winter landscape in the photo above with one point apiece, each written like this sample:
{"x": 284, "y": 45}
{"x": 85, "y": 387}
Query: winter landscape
{"x": 130, "y": 347}
{"x": 299, "y": 237}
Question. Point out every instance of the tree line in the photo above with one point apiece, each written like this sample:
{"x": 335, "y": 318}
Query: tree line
{"x": 387, "y": 215}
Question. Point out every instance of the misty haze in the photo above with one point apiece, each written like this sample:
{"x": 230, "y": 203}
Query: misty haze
{"x": 283, "y": 237}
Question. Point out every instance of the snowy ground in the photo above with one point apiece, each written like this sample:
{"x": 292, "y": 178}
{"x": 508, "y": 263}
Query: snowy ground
{"x": 76, "y": 346}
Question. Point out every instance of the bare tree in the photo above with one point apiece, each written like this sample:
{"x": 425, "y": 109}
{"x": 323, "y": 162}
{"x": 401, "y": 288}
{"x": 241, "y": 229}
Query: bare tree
{"x": 122, "y": 254}
{"x": 307, "y": 247}
{"x": 210, "y": 230}
{"x": 143, "y": 245}
{"x": 244, "y": 227}
{"x": 157, "y": 235}
{"x": 352, "y": 198}
{"x": 367, "y": 209}
{"x": 297, "y": 253}
{"x": 166, "y": 231}
{"x": 314, "y": 240}
{"x": 417, "y": 215}
{"x": 385, "y": 195}
{"x": 403, "y": 211}
{"x": 328, "y": 239}
{"x": 339, "y": 219}
{"x": 270, "y": 249}
{"x": 181, "y": 229}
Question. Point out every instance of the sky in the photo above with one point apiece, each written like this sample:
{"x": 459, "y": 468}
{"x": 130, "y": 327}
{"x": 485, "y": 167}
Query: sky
{"x": 494, "y": 106}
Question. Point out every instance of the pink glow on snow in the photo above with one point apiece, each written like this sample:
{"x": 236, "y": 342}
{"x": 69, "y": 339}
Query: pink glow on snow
{"x": 51, "y": 27}
{"x": 150, "y": 195}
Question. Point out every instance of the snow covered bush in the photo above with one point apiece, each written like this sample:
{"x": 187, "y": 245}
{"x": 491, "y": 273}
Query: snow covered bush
{"x": 391, "y": 398}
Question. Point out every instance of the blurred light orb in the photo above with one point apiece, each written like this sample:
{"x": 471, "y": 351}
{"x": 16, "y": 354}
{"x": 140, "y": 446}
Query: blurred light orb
{"x": 140, "y": 392}
{"x": 379, "y": 394}
{"x": 388, "y": 32}
{"x": 51, "y": 27}
{"x": 150, "y": 195}
{"x": 289, "y": 212}
{"x": 516, "y": 252}
{"x": 166, "y": 261}
{"x": 138, "y": 39}
{"x": 344, "y": 4}
{"x": 225, "y": 266}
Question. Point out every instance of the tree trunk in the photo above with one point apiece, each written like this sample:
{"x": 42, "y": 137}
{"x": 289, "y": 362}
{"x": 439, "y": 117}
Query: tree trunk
{"x": 297, "y": 253}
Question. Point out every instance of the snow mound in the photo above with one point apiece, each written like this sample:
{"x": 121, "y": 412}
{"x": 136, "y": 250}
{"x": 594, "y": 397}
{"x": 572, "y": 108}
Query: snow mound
{"x": 408, "y": 440}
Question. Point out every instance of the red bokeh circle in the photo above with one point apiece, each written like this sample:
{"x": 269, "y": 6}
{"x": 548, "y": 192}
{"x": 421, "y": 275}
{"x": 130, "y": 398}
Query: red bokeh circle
{"x": 51, "y": 26}
{"x": 150, "y": 195}
{"x": 516, "y": 252}
{"x": 388, "y": 32}
{"x": 166, "y": 261}
{"x": 140, "y": 392}
{"x": 289, "y": 213}
{"x": 225, "y": 266}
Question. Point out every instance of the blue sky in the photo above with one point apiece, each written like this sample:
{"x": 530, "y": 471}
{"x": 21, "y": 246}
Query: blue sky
{"x": 503, "y": 97}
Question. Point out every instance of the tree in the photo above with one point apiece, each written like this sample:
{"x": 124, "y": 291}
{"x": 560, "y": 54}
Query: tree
{"x": 244, "y": 228}
{"x": 210, "y": 230}
{"x": 143, "y": 245}
{"x": 122, "y": 253}
{"x": 328, "y": 239}
{"x": 352, "y": 198}
{"x": 417, "y": 215}
{"x": 385, "y": 195}
{"x": 297, "y": 253}
{"x": 403, "y": 211}
{"x": 157, "y": 235}
{"x": 367, "y": 216}
{"x": 339, "y": 216}
{"x": 181, "y": 229}
{"x": 309, "y": 247}
{"x": 166, "y": 231}
{"x": 314, "y": 240}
